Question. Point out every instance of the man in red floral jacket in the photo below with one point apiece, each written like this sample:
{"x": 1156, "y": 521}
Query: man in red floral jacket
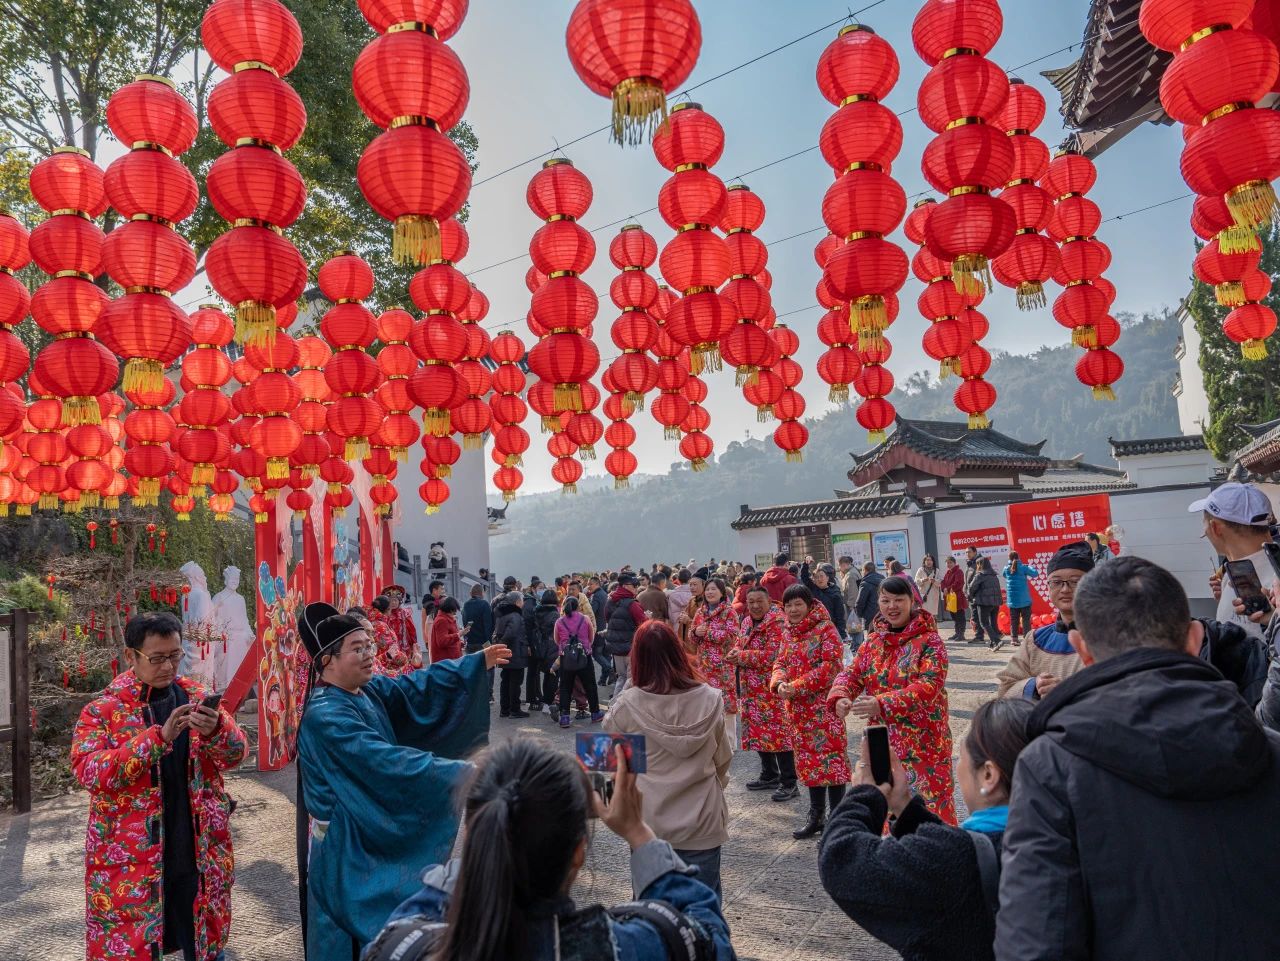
{"x": 158, "y": 861}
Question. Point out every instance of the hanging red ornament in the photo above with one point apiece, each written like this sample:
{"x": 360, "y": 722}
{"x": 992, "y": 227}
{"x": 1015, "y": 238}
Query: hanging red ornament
{"x": 92, "y": 528}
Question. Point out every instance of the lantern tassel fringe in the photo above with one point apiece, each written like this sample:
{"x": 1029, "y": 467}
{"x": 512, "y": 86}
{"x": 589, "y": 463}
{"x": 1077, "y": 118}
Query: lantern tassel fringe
{"x": 22, "y": 510}
{"x": 633, "y": 400}
{"x": 550, "y": 424}
{"x": 868, "y": 313}
{"x": 839, "y": 394}
{"x": 671, "y": 432}
{"x": 255, "y": 322}
{"x": 1085, "y": 336}
{"x": 508, "y": 496}
{"x": 621, "y": 483}
{"x": 748, "y": 376}
{"x": 1239, "y": 240}
{"x": 875, "y": 437}
{"x": 443, "y": 471}
{"x": 141, "y": 374}
{"x": 795, "y": 457}
{"x": 472, "y": 441}
{"x": 978, "y": 421}
{"x": 513, "y": 460}
{"x": 1254, "y": 350}
{"x": 971, "y": 274}
{"x": 202, "y": 474}
{"x": 705, "y": 357}
{"x": 1103, "y": 392}
{"x": 80, "y": 410}
{"x": 587, "y": 452}
{"x": 357, "y": 448}
{"x": 90, "y": 500}
{"x": 1230, "y": 294}
{"x": 277, "y": 468}
{"x": 415, "y": 239}
{"x": 1031, "y": 295}
{"x": 568, "y": 397}
{"x": 1253, "y": 204}
{"x": 568, "y": 489}
{"x": 764, "y": 413}
{"x": 639, "y": 109}
{"x": 435, "y": 421}
{"x": 698, "y": 464}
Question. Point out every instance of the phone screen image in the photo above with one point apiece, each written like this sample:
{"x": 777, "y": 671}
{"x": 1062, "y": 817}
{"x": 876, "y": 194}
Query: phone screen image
{"x": 1248, "y": 587}
{"x": 878, "y": 753}
{"x": 1273, "y": 555}
{"x": 596, "y": 751}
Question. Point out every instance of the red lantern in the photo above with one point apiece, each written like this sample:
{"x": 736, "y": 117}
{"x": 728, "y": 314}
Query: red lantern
{"x": 1098, "y": 369}
{"x": 1249, "y": 326}
{"x": 635, "y": 52}
{"x": 975, "y": 397}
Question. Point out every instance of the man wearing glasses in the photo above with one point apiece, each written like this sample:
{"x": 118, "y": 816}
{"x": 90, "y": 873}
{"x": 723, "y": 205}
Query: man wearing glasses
{"x": 1047, "y": 658}
{"x": 151, "y": 750}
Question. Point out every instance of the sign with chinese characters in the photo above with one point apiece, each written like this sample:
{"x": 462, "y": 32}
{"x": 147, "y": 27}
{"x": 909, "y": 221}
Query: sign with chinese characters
{"x": 857, "y": 546}
{"x": 990, "y": 542}
{"x": 1038, "y": 528}
{"x": 885, "y": 544}
{"x": 812, "y": 540}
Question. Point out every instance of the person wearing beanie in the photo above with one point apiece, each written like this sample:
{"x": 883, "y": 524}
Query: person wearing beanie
{"x": 1047, "y": 658}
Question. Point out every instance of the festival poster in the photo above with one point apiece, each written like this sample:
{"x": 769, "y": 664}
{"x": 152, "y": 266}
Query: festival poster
{"x": 1038, "y": 528}
{"x": 282, "y": 669}
{"x": 890, "y": 544}
{"x": 990, "y": 542}
{"x": 857, "y": 546}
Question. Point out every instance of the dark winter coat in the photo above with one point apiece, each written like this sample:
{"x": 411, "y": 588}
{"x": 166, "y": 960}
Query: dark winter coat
{"x": 622, "y": 615}
{"x": 509, "y": 630}
{"x": 1269, "y": 705}
{"x": 599, "y": 598}
{"x": 869, "y": 597}
{"x": 984, "y": 589}
{"x": 1238, "y": 655}
{"x": 478, "y": 613}
{"x": 831, "y": 596}
{"x": 953, "y": 581}
{"x": 530, "y": 627}
{"x": 920, "y": 892}
{"x": 1143, "y": 822}
{"x": 543, "y": 643}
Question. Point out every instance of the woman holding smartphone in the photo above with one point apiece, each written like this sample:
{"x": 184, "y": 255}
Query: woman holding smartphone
{"x": 932, "y": 867}
{"x": 898, "y": 678}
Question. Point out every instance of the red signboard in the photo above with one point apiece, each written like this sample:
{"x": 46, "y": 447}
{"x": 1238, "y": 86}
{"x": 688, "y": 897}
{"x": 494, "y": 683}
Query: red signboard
{"x": 990, "y": 542}
{"x": 1038, "y": 528}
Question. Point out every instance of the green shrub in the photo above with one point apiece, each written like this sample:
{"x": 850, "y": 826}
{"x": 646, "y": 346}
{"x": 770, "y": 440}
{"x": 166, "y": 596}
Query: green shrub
{"x": 33, "y": 594}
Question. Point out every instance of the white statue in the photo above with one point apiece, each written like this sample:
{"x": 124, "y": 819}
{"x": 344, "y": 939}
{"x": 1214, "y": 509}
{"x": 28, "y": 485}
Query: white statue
{"x": 231, "y": 618}
{"x": 202, "y": 659}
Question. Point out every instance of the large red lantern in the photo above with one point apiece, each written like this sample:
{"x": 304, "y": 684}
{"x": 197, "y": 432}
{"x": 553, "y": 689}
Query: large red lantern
{"x": 635, "y": 52}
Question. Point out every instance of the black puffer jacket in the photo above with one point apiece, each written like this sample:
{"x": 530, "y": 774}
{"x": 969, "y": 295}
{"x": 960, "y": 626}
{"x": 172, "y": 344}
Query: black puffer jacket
{"x": 1147, "y": 773}
{"x": 509, "y": 630}
{"x": 543, "y": 643}
{"x": 984, "y": 589}
{"x": 920, "y": 892}
{"x": 1241, "y": 657}
{"x": 831, "y": 596}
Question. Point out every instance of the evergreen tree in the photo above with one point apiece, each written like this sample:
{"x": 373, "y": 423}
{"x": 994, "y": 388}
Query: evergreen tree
{"x": 1240, "y": 391}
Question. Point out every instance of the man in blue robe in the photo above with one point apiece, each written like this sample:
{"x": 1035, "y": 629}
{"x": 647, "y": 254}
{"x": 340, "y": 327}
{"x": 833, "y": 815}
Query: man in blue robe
{"x": 380, "y": 759}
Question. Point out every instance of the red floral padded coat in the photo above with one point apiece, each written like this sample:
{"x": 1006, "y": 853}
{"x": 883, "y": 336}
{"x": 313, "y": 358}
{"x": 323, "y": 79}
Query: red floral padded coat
{"x": 116, "y": 753}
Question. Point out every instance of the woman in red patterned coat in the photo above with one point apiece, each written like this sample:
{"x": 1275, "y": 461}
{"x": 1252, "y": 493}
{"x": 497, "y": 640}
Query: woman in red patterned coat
{"x": 158, "y": 861}
{"x": 389, "y": 658}
{"x": 898, "y": 678}
{"x": 808, "y": 662}
{"x": 765, "y": 728}
{"x": 714, "y": 631}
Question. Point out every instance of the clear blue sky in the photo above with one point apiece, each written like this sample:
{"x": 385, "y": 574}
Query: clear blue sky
{"x": 525, "y": 98}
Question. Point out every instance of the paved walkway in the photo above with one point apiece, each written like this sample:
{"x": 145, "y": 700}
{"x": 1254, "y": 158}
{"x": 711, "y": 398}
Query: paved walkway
{"x": 774, "y": 902}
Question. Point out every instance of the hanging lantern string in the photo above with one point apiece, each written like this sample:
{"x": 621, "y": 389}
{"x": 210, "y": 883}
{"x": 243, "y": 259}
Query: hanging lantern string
{"x": 687, "y": 90}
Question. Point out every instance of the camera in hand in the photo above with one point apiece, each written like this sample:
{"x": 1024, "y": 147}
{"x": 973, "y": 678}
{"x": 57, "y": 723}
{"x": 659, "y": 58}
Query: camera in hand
{"x": 878, "y": 754}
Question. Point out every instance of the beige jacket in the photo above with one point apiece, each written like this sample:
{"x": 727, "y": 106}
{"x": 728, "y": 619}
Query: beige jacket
{"x": 688, "y": 757}
{"x": 1045, "y": 650}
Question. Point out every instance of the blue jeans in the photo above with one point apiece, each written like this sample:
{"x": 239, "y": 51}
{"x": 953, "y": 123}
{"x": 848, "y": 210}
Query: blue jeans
{"x": 708, "y": 864}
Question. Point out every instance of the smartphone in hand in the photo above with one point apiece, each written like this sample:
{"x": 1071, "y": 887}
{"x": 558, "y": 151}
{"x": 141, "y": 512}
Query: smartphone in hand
{"x": 1248, "y": 587}
{"x": 596, "y": 751}
{"x": 878, "y": 754}
{"x": 211, "y": 701}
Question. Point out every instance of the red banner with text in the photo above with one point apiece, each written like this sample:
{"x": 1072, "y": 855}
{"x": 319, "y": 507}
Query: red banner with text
{"x": 1038, "y": 528}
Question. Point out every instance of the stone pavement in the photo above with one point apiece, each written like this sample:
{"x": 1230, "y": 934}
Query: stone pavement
{"x": 774, "y": 902}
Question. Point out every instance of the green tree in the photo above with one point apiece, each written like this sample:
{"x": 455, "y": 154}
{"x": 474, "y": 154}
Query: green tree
{"x": 63, "y": 58}
{"x": 1240, "y": 391}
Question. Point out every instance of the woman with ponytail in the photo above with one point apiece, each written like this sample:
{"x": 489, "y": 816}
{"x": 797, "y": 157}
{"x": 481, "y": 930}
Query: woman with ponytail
{"x": 506, "y": 898}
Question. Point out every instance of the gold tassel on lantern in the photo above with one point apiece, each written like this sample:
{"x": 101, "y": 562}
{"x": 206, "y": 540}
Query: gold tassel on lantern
{"x": 621, "y": 483}
{"x": 260, "y": 518}
{"x": 400, "y": 454}
{"x": 299, "y": 515}
{"x": 339, "y": 512}
{"x": 4, "y": 509}
{"x": 875, "y": 437}
{"x": 443, "y": 471}
{"x": 1239, "y": 240}
{"x": 108, "y": 503}
{"x": 1230, "y": 294}
{"x": 971, "y": 274}
{"x": 277, "y": 468}
{"x": 748, "y": 376}
{"x": 435, "y": 421}
{"x": 90, "y": 500}
{"x": 202, "y": 474}
{"x": 184, "y": 516}
{"x": 1031, "y": 295}
{"x": 357, "y": 448}
{"x": 513, "y": 460}
{"x": 149, "y": 490}
{"x": 508, "y": 496}
{"x": 23, "y": 510}
{"x": 671, "y": 432}
{"x": 795, "y": 457}
{"x": 1086, "y": 336}
{"x": 80, "y": 410}
{"x": 271, "y": 493}
{"x": 550, "y": 424}
{"x": 1252, "y": 204}
{"x": 255, "y": 322}
{"x": 568, "y": 396}
{"x": 568, "y": 489}
{"x": 979, "y": 421}
{"x": 868, "y": 313}
{"x": 141, "y": 374}
{"x": 415, "y": 239}
{"x": 633, "y": 401}
{"x": 1103, "y": 392}
{"x": 587, "y": 452}
{"x": 706, "y": 357}
{"x": 1254, "y": 350}
{"x": 472, "y": 441}
{"x": 838, "y": 394}
{"x": 72, "y": 507}
{"x": 199, "y": 491}
{"x": 870, "y": 339}
{"x": 334, "y": 489}
{"x": 639, "y": 109}
{"x": 764, "y": 413}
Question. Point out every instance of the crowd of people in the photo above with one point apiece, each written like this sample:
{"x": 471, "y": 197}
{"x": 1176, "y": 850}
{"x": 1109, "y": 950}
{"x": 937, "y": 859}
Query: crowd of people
{"x": 1117, "y": 791}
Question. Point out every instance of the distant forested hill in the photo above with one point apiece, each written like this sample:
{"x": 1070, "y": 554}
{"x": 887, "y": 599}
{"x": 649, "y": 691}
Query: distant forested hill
{"x": 1039, "y": 398}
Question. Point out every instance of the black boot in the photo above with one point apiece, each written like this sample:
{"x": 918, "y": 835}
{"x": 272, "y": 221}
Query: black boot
{"x": 817, "y": 808}
{"x": 768, "y": 773}
{"x": 785, "y": 792}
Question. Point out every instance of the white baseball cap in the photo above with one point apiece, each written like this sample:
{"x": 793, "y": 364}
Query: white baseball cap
{"x": 1238, "y": 503}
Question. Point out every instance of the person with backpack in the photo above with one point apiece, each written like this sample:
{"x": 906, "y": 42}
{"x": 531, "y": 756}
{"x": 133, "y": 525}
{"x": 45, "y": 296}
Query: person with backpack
{"x": 931, "y": 891}
{"x": 506, "y": 895}
{"x": 573, "y": 637}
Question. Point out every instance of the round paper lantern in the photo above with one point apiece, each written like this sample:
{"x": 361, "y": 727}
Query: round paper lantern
{"x": 237, "y": 31}
{"x": 858, "y": 63}
{"x": 1098, "y": 369}
{"x": 635, "y": 52}
{"x": 1249, "y": 326}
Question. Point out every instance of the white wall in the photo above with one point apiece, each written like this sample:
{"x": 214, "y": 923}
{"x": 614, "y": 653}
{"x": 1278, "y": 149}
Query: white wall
{"x": 1158, "y": 470}
{"x": 1193, "y": 402}
{"x": 965, "y": 519}
{"x": 462, "y": 523}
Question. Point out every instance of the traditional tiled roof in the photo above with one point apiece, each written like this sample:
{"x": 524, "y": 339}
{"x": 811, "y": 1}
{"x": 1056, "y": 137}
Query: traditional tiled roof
{"x": 944, "y": 447}
{"x": 1074, "y": 476}
{"x": 1261, "y": 456}
{"x": 1156, "y": 445}
{"x": 821, "y": 512}
{"x": 1115, "y": 85}
{"x": 1260, "y": 430}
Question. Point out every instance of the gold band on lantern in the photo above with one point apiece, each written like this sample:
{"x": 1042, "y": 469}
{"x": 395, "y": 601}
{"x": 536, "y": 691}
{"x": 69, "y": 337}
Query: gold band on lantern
{"x": 1020, "y": 182}
{"x": 862, "y": 235}
{"x": 970, "y": 189}
{"x": 78, "y": 274}
{"x": 1025, "y": 230}
{"x": 157, "y": 79}
{"x": 685, "y": 105}
{"x": 681, "y": 168}
{"x": 685, "y": 228}
{"x": 254, "y": 222}
{"x": 347, "y": 300}
{"x": 556, "y": 218}
{"x": 417, "y": 26}
{"x": 152, "y": 218}
{"x": 256, "y": 142}
{"x": 924, "y": 202}
{"x": 863, "y": 165}
{"x": 627, "y": 270}
{"x": 151, "y": 145}
{"x": 9, "y": 271}
{"x": 959, "y": 52}
{"x": 1225, "y": 109}
{"x": 938, "y": 280}
{"x": 1201, "y": 34}
{"x": 737, "y": 230}
{"x": 412, "y": 120}
{"x": 561, "y": 273}
{"x": 68, "y": 148}
{"x": 1017, "y": 132}
{"x": 858, "y": 98}
{"x": 1076, "y": 237}
{"x": 700, "y": 290}
{"x": 853, "y": 27}
{"x": 633, "y": 310}
{"x": 436, "y": 312}
{"x": 556, "y": 162}
{"x": 244, "y": 65}
{"x": 1077, "y": 283}
{"x": 963, "y": 122}
{"x": 142, "y": 289}
{"x": 69, "y": 212}
{"x": 1067, "y": 196}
